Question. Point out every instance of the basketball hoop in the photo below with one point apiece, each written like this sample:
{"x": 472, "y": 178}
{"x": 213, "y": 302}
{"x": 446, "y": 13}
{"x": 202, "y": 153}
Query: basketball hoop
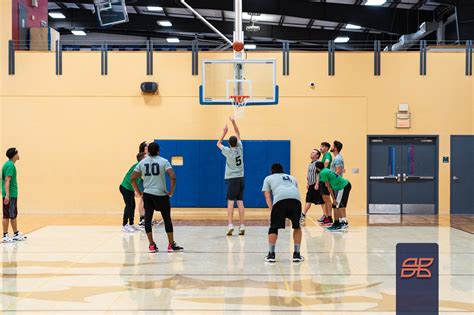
{"x": 238, "y": 103}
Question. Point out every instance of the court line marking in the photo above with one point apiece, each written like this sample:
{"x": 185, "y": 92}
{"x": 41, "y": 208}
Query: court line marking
{"x": 17, "y": 300}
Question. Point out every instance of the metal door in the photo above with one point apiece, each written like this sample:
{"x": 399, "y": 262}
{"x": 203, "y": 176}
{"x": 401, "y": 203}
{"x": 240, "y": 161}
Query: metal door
{"x": 419, "y": 187}
{"x": 384, "y": 176}
{"x": 462, "y": 175}
{"x": 402, "y": 175}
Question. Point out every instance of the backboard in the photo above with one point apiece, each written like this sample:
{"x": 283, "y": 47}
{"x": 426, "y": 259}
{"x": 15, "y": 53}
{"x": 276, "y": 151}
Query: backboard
{"x": 255, "y": 78}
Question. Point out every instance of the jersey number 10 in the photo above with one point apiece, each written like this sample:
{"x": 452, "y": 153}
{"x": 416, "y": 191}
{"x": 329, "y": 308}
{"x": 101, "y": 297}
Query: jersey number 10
{"x": 155, "y": 169}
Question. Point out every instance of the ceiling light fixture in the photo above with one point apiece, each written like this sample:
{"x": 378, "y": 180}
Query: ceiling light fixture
{"x": 56, "y": 15}
{"x": 172, "y": 40}
{"x": 342, "y": 39}
{"x": 375, "y": 2}
{"x": 78, "y": 33}
{"x": 154, "y": 9}
{"x": 165, "y": 23}
{"x": 353, "y": 27}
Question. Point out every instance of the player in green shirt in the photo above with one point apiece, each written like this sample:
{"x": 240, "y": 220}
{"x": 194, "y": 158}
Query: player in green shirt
{"x": 327, "y": 157}
{"x": 10, "y": 197}
{"x": 326, "y": 219}
{"x": 128, "y": 194}
{"x": 339, "y": 189}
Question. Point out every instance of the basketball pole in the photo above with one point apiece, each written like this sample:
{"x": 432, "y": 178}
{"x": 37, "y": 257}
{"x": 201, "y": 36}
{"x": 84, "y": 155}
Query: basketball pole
{"x": 238, "y": 37}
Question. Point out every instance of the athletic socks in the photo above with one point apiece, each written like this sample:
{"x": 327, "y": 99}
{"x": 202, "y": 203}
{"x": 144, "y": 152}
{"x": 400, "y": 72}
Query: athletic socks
{"x": 5, "y": 234}
{"x": 297, "y": 248}
{"x": 271, "y": 248}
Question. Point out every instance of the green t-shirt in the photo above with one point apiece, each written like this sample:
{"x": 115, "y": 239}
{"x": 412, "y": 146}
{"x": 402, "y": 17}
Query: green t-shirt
{"x": 337, "y": 182}
{"x": 126, "y": 180}
{"x": 327, "y": 156}
{"x": 9, "y": 170}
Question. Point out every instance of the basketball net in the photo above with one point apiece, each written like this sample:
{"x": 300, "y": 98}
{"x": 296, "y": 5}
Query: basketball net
{"x": 239, "y": 103}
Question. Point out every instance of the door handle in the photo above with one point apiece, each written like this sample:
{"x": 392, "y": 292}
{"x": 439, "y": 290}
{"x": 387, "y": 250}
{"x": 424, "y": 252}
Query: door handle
{"x": 398, "y": 178}
{"x": 404, "y": 177}
{"x": 455, "y": 178}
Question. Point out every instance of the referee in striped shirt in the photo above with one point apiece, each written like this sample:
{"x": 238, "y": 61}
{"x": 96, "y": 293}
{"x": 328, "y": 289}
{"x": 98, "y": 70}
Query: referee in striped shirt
{"x": 313, "y": 195}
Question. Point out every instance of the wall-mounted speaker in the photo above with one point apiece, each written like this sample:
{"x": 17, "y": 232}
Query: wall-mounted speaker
{"x": 149, "y": 87}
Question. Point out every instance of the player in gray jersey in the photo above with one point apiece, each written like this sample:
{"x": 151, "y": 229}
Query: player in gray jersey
{"x": 285, "y": 204}
{"x": 155, "y": 196}
{"x": 234, "y": 176}
{"x": 337, "y": 165}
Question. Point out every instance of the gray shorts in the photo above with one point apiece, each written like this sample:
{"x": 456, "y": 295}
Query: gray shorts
{"x": 10, "y": 211}
{"x": 235, "y": 188}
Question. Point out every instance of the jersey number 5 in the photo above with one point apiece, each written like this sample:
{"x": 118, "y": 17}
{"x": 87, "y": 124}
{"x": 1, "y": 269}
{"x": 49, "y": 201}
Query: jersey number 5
{"x": 238, "y": 161}
{"x": 155, "y": 169}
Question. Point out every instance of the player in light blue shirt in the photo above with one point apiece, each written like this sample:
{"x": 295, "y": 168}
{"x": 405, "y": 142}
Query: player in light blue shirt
{"x": 155, "y": 195}
{"x": 283, "y": 198}
{"x": 234, "y": 176}
{"x": 337, "y": 165}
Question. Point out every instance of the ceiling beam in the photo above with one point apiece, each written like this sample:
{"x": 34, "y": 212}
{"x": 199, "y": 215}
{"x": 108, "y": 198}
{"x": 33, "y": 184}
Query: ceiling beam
{"x": 377, "y": 18}
{"x": 147, "y": 26}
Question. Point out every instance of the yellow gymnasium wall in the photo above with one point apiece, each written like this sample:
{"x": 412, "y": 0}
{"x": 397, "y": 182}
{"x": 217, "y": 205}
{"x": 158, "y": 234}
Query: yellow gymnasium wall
{"x": 78, "y": 133}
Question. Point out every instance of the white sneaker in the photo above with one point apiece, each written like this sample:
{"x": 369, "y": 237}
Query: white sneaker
{"x": 7, "y": 239}
{"x": 134, "y": 228}
{"x": 19, "y": 237}
{"x": 230, "y": 230}
{"x": 242, "y": 230}
{"x": 127, "y": 229}
{"x": 303, "y": 219}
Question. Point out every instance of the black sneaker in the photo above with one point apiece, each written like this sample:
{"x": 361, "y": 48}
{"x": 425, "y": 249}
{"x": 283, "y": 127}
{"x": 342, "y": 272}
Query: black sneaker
{"x": 174, "y": 248}
{"x": 270, "y": 258}
{"x": 297, "y": 257}
{"x": 334, "y": 227}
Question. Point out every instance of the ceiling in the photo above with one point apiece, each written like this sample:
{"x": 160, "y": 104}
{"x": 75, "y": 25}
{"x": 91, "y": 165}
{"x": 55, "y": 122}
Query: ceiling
{"x": 304, "y": 23}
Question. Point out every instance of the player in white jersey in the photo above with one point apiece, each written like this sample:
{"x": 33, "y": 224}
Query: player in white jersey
{"x": 285, "y": 204}
{"x": 155, "y": 196}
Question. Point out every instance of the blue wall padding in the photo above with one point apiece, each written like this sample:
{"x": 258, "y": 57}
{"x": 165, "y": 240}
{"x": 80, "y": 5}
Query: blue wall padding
{"x": 201, "y": 178}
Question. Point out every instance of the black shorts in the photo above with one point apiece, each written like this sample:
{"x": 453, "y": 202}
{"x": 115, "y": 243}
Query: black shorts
{"x": 283, "y": 209}
{"x": 323, "y": 189}
{"x": 342, "y": 196}
{"x": 235, "y": 188}
{"x": 10, "y": 211}
{"x": 314, "y": 196}
{"x": 158, "y": 203}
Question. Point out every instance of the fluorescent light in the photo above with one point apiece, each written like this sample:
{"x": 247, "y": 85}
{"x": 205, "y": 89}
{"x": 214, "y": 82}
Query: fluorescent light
{"x": 250, "y": 46}
{"x": 165, "y": 23}
{"x": 353, "y": 27}
{"x": 154, "y": 9}
{"x": 79, "y": 33}
{"x": 375, "y": 2}
{"x": 172, "y": 40}
{"x": 342, "y": 39}
{"x": 56, "y": 15}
